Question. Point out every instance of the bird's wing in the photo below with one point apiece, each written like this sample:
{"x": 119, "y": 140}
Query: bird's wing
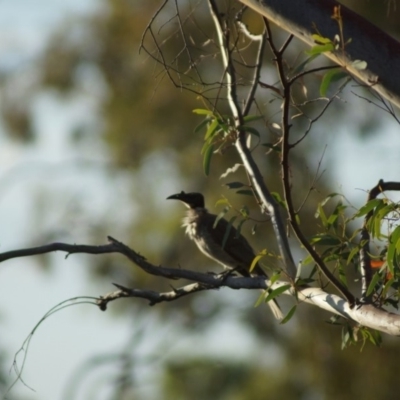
{"x": 236, "y": 245}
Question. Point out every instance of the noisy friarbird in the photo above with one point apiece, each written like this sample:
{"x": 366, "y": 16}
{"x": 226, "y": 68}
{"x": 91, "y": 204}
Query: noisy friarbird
{"x": 236, "y": 254}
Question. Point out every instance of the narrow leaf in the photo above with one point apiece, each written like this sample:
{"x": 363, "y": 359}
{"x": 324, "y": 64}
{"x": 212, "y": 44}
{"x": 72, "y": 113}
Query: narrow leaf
{"x": 201, "y": 111}
{"x": 329, "y": 78}
{"x": 250, "y": 118}
{"x": 352, "y": 254}
{"x": 234, "y": 185}
{"x": 301, "y": 67}
{"x": 367, "y": 207}
{"x": 257, "y": 258}
{"x": 223, "y": 201}
{"x": 211, "y": 129}
{"x": 375, "y": 279}
{"x": 260, "y": 299}
{"x": 207, "y": 159}
{"x": 321, "y": 215}
{"x": 249, "y": 129}
{"x": 245, "y": 192}
{"x": 289, "y": 315}
{"x": 275, "y": 277}
{"x": 201, "y": 125}
{"x": 320, "y": 48}
{"x": 320, "y": 39}
{"x": 277, "y": 292}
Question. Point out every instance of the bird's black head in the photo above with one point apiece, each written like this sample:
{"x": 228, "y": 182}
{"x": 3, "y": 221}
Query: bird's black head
{"x": 191, "y": 200}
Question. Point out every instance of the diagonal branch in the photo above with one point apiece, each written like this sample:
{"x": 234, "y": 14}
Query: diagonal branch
{"x": 303, "y": 18}
{"x": 269, "y": 205}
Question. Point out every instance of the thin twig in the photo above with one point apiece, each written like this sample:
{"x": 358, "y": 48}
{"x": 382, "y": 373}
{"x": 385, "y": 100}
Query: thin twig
{"x": 256, "y": 77}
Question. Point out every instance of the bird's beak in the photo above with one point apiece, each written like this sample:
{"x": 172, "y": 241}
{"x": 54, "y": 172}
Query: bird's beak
{"x": 177, "y": 196}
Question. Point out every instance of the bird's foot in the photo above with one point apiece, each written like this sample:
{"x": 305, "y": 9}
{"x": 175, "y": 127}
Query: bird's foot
{"x": 227, "y": 273}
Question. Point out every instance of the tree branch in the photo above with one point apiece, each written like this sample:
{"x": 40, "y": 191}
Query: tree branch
{"x": 303, "y": 18}
{"x": 366, "y": 315}
{"x": 286, "y": 86}
{"x": 269, "y": 205}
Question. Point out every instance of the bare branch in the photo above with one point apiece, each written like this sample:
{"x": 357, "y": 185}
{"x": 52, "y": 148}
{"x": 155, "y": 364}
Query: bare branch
{"x": 223, "y": 42}
{"x": 365, "y": 314}
{"x": 257, "y": 72}
{"x": 151, "y": 295}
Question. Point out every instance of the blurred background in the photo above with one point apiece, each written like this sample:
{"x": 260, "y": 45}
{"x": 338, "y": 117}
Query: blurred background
{"x": 94, "y": 137}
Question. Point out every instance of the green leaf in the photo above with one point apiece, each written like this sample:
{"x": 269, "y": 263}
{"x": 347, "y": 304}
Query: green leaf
{"x": 257, "y": 258}
{"x": 260, "y": 299}
{"x": 367, "y": 207}
{"x": 249, "y": 129}
{"x": 277, "y": 292}
{"x": 301, "y": 67}
{"x": 320, "y": 39}
{"x": 201, "y": 125}
{"x": 329, "y": 78}
{"x": 320, "y": 48}
{"x": 375, "y": 279}
{"x": 279, "y": 199}
{"x": 202, "y": 111}
{"x": 321, "y": 215}
{"x": 223, "y": 201}
{"x": 275, "y": 277}
{"x": 211, "y": 129}
{"x": 353, "y": 253}
{"x": 307, "y": 260}
{"x": 377, "y": 219}
{"x": 234, "y": 185}
{"x": 250, "y": 118}
{"x": 329, "y": 197}
{"x": 245, "y": 192}
{"x": 244, "y": 211}
{"x": 207, "y": 158}
{"x": 391, "y": 254}
{"x": 325, "y": 240}
{"x": 289, "y": 315}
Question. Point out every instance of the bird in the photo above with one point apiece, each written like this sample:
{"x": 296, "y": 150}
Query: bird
{"x": 235, "y": 254}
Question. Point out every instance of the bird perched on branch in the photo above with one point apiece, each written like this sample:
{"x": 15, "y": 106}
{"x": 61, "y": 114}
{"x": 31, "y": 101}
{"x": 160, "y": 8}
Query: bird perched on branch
{"x": 236, "y": 254}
